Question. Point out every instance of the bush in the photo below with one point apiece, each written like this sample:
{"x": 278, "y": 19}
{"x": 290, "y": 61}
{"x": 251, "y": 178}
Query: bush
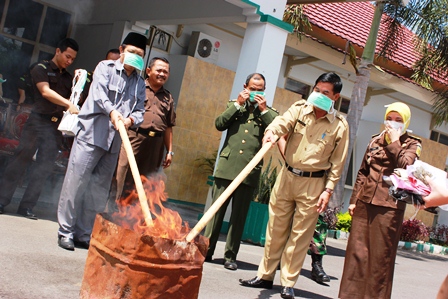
{"x": 330, "y": 217}
{"x": 439, "y": 235}
{"x": 344, "y": 221}
{"x": 413, "y": 230}
{"x": 266, "y": 183}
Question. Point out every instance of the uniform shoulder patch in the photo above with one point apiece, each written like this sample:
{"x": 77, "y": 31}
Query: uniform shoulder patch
{"x": 272, "y": 108}
{"x": 418, "y": 151}
{"x": 232, "y": 100}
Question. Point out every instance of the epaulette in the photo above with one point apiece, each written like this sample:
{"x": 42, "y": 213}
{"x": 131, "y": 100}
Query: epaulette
{"x": 342, "y": 118}
{"x": 43, "y": 66}
{"x": 376, "y": 135}
{"x": 300, "y": 102}
{"x": 415, "y": 137}
{"x": 272, "y": 108}
{"x": 232, "y": 100}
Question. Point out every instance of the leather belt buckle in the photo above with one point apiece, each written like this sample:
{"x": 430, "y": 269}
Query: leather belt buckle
{"x": 151, "y": 133}
{"x": 54, "y": 119}
{"x": 297, "y": 171}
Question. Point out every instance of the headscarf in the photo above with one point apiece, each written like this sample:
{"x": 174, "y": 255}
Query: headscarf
{"x": 403, "y": 110}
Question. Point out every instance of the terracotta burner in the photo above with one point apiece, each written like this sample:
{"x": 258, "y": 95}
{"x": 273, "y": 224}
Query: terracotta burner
{"x": 122, "y": 263}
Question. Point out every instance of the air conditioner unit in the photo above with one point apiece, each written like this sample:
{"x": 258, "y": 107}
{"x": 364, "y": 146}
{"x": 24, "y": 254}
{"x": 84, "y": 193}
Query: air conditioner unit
{"x": 204, "y": 47}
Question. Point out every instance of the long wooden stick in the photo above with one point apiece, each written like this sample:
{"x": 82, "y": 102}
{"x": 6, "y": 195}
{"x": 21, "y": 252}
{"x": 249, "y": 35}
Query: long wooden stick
{"x": 229, "y": 190}
{"x": 135, "y": 173}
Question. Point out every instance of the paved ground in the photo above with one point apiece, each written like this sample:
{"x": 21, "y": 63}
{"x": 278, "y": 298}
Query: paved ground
{"x": 33, "y": 266}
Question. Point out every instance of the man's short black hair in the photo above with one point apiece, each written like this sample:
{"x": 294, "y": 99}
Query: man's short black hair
{"x": 331, "y": 78}
{"x": 113, "y": 51}
{"x": 68, "y": 43}
{"x": 154, "y": 59}
{"x": 254, "y": 74}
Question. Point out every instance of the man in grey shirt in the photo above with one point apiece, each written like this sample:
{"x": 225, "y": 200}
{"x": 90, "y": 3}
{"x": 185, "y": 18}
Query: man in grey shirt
{"x": 117, "y": 93}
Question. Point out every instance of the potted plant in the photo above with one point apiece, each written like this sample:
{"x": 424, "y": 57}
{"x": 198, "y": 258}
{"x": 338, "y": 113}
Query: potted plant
{"x": 258, "y": 215}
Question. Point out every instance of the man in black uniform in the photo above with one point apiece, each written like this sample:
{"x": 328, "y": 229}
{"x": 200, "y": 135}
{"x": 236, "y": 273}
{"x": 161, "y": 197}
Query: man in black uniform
{"x": 52, "y": 89}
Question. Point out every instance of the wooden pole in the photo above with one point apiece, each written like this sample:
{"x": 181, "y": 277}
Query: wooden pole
{"x": 225, "y": 195}
{"x": 135, "y": 173}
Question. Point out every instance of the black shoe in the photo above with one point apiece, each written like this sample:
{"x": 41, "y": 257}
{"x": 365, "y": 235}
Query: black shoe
{"x": 257, "y": 282}
{"x": 287, "y": 293}
{"x": 27, "y": 212}
{"x": 318, "y": 274}
{"x": 208, "y": 258}
{"x": 66, "y": 243}
{"x": 231, "y": 265}
{"x": 2, "y": 209}
{"x": 82, "y": 244}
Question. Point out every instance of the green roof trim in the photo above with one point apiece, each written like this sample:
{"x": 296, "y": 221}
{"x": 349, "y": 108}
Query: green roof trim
{"x": 270, "y": 19}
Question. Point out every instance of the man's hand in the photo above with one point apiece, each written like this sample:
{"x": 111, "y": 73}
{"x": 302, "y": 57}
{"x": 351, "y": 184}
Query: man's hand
{"x": 351, "y": 209}
{"x": 72, "y": 109}
{"x": 322, "y": 203}
{"x": 167, "y": 161}
{"x": 115, "y": 116}
{"x": 243, "y": 97}
{"x": 269, "y": 137}
{"x": 127, "y": 122}
{"x": 261, "y": 102}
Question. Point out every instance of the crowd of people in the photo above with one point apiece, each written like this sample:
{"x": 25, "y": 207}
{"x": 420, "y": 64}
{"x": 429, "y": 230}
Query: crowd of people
{"x": 312, "y": 139}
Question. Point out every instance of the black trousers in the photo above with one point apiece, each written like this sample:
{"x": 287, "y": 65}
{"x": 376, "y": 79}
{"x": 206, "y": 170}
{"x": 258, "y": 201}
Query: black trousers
{"x": 41, "y": 134}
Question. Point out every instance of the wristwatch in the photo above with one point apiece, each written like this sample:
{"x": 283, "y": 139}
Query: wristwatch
{"x": 328, "y": 190}
{"x": 171, "y": 153}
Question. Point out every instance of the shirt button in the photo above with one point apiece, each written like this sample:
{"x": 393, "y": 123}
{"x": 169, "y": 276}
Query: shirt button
{"x": 246, "y": 131}
{"x": 243, "y": 141}
{"x": 248, "y": 121}
{"x": 241, "y": 151}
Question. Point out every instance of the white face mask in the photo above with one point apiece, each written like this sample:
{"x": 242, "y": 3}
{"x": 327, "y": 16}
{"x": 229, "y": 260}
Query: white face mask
{"x": 395, "y": 125}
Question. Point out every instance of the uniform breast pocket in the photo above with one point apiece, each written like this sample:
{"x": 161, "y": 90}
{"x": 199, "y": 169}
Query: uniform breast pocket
{"x": 326, "y": 144}
{"x": 115, "y": 90}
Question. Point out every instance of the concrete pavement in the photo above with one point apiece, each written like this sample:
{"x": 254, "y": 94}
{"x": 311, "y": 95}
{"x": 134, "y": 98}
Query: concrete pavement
{"x": 33, "y": 266}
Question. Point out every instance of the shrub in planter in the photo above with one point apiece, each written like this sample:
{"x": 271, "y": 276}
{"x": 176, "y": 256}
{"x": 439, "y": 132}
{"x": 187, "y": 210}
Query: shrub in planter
{"x": 439, "y": 235}
{"x": 413, "y": 230}
{"x": 267, "y": 181}
{"x": 344, "y": 221}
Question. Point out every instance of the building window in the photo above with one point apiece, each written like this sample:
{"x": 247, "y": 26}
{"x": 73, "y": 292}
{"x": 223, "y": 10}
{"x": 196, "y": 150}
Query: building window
{"x": 298, "y": 87}
{"x": 349, "y": 180}
{"x": 342, "y": 105}
{"x": 439, "y": 137}
{"x": 22, "y": 42}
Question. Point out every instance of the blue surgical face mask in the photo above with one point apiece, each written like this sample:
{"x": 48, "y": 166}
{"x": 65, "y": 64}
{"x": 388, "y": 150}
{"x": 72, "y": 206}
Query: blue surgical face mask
{"x": 321, "y": 101}
{"x": 134, "y": 60}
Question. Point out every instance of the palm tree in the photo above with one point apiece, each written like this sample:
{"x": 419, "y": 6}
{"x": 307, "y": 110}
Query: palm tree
{"x": 428, "y": 20}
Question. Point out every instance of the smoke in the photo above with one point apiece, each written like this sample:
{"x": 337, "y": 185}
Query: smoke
{"x": 83, "y": 10}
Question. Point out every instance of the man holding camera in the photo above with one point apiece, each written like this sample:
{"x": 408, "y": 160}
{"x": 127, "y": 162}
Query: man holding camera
{"x": 245, "y": 120}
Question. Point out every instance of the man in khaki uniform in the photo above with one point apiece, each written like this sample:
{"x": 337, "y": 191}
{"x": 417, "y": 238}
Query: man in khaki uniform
{"x": 315, "y": 153}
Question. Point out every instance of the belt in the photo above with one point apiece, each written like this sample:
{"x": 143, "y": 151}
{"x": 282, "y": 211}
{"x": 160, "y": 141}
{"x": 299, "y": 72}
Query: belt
{"x": 147, "y": 132}
{"x": 317, "y": 174}
{"x": 50, "y": 117}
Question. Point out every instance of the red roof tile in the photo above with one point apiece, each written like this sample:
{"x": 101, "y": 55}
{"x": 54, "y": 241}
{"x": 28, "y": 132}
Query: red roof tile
{"x": 352, "y": 20}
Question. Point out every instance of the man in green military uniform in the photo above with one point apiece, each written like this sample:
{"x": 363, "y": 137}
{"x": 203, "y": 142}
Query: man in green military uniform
{"x": 317, "y": 249}
{"x": 245, "y": 120}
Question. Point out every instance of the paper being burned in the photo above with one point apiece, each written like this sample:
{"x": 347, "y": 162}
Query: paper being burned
{"x": 127, "y": 259}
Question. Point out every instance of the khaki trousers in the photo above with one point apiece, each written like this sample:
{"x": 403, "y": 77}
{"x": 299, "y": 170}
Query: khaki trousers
{"x": 292, "y": 219}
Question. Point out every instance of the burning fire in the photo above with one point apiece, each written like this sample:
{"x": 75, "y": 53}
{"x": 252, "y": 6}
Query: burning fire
{"x": 166, "y": 223}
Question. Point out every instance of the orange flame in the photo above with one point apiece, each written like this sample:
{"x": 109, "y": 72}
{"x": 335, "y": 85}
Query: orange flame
{"x": 166, "y": 223}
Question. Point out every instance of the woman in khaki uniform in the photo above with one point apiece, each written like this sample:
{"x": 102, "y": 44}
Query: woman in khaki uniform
{"x": 377, "y": 218}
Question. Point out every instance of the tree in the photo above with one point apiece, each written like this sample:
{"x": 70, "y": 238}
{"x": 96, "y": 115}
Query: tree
{"x": 428, "y": 20}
